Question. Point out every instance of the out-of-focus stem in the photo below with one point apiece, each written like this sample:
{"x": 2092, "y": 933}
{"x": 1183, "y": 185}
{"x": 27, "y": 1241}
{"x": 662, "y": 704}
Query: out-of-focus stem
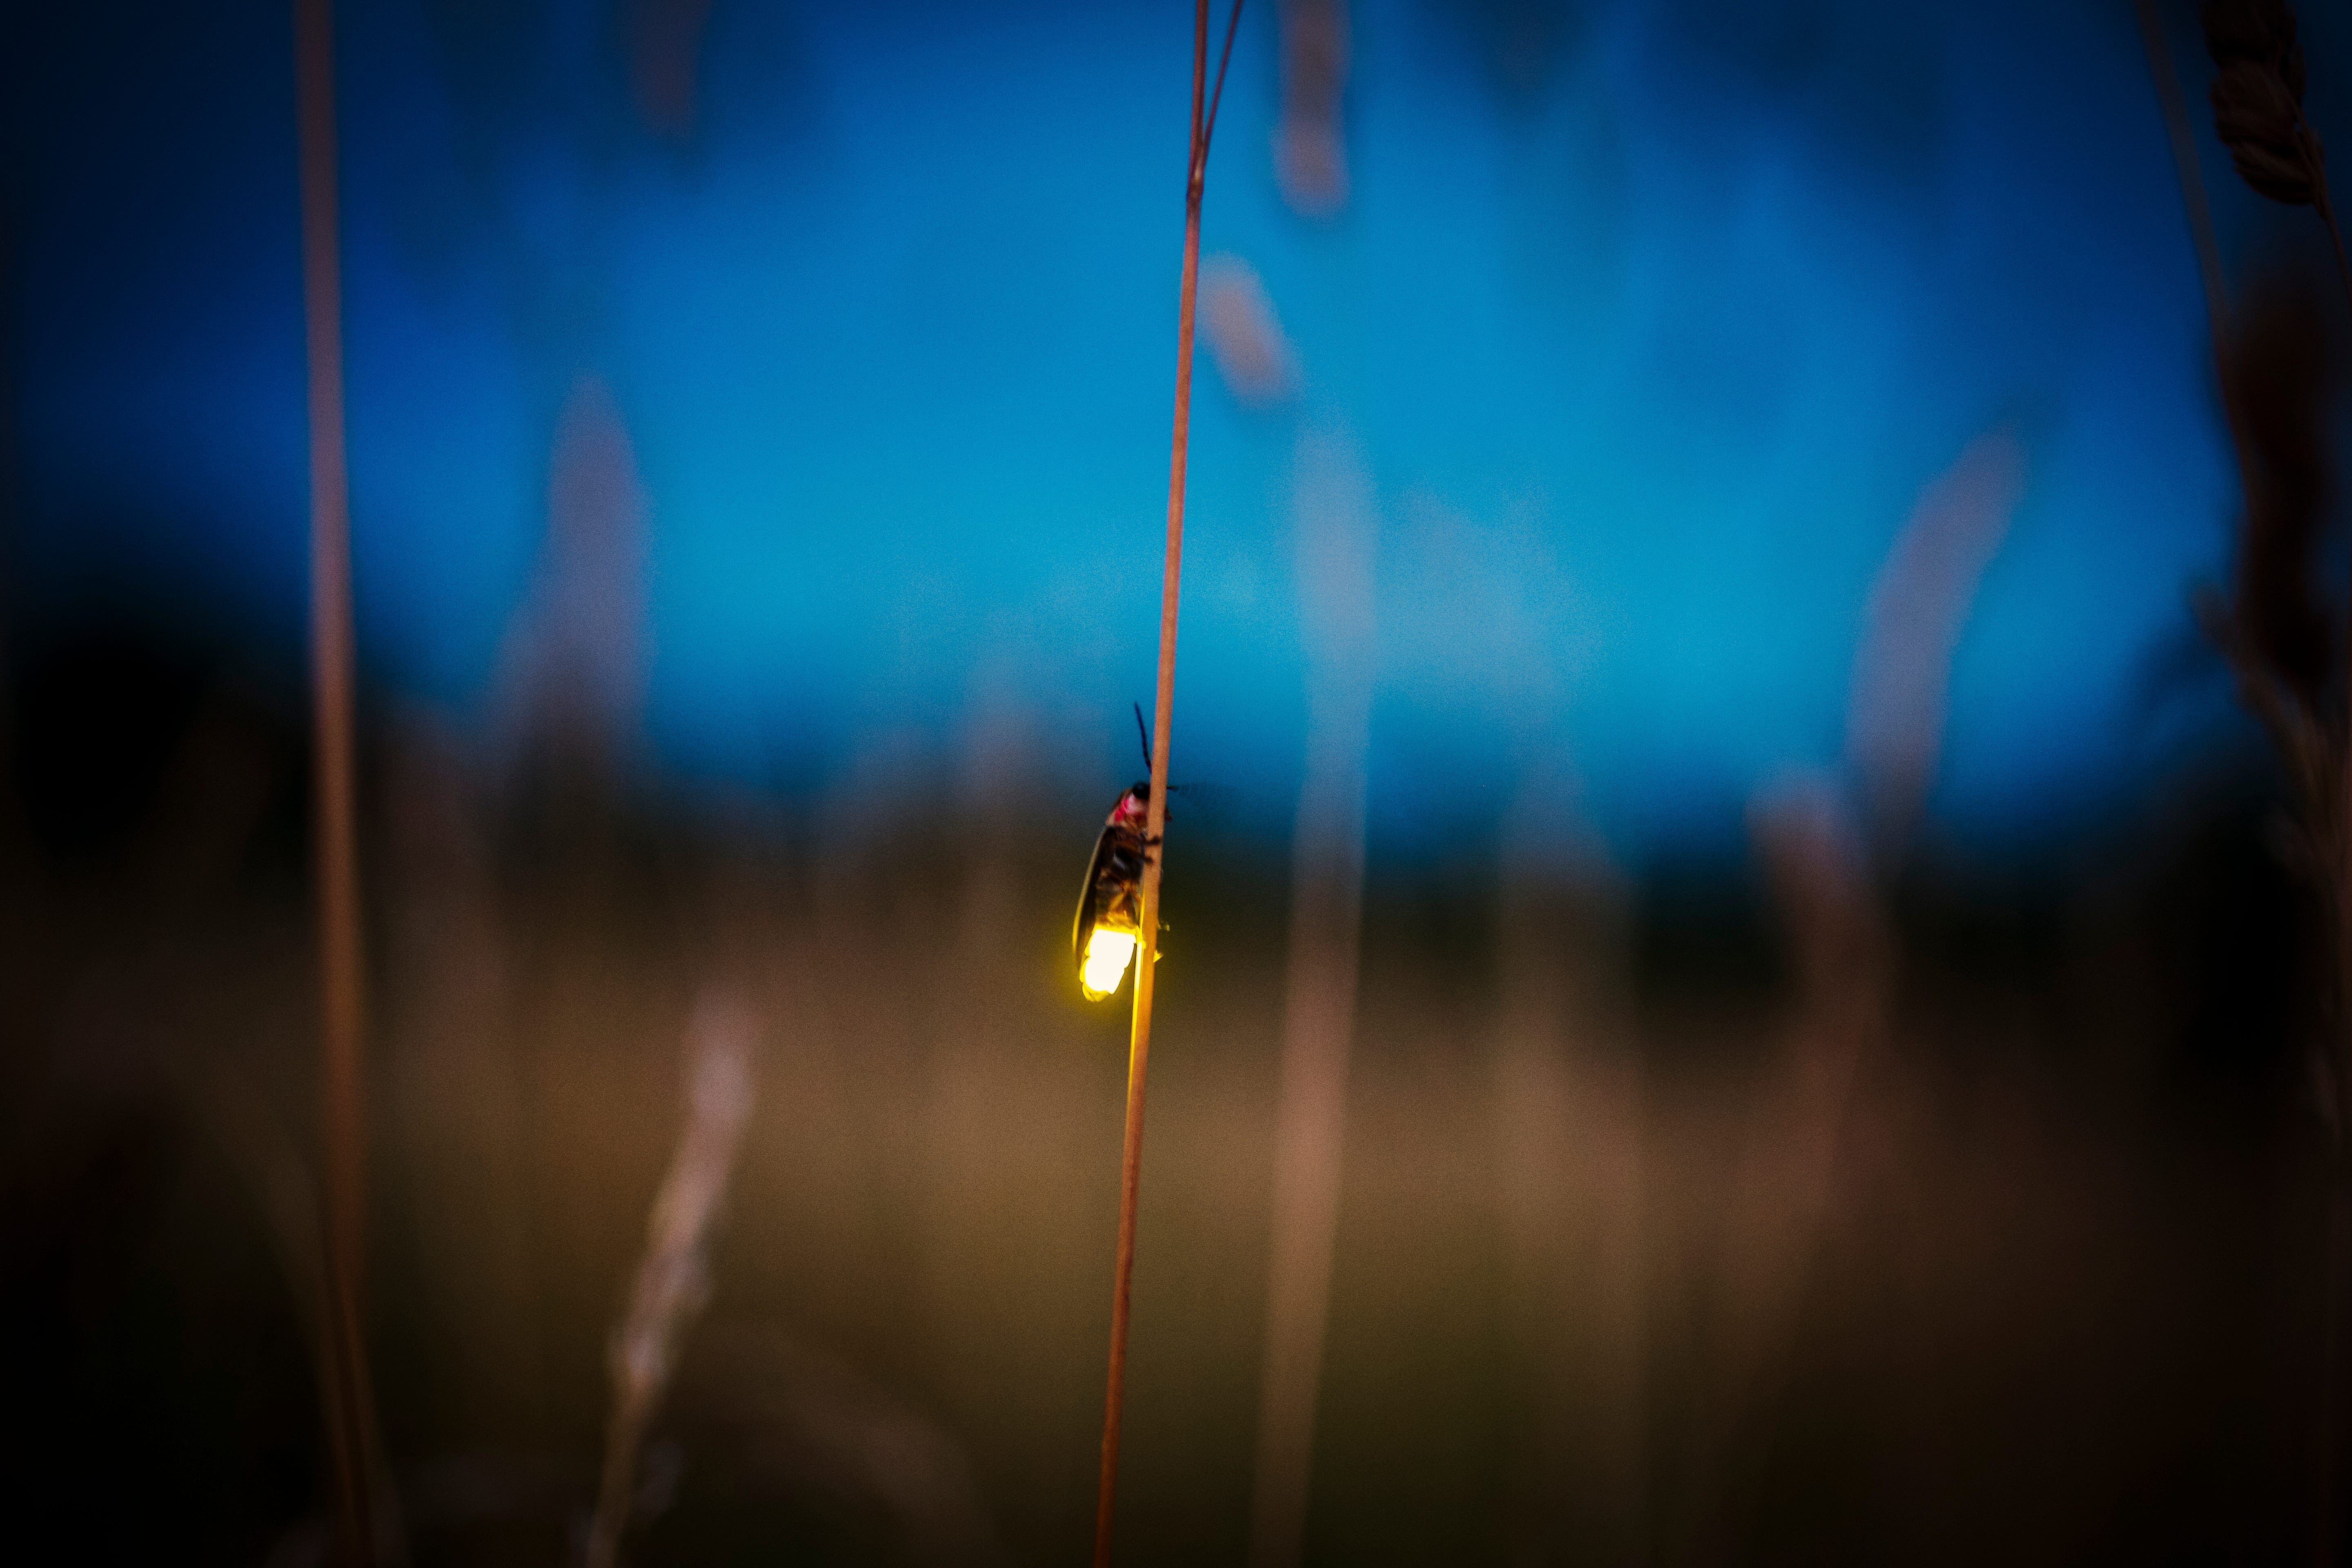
{"x": 342, "y": 1092}
{"x": 2183, "y": 138}
{"x": 1334, "y": 574}
{"x": 2326, "y": 1506}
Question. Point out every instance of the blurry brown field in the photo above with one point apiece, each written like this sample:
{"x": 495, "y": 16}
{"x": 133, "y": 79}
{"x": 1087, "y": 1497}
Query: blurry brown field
{"x": 1611, "y": 1284}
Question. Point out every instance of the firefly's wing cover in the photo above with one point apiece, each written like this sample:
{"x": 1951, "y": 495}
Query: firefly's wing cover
{"x": 1088, "y": 899}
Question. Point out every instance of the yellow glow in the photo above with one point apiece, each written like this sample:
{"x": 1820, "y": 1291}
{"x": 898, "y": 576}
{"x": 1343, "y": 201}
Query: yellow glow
{"x": 1108, "y": 949}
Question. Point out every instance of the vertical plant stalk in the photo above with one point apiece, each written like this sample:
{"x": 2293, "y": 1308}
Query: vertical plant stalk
{"x": 2326, "y": 1506}
{"x": 343, "y": 1102}
{"x": 1570, "y": 1200}
{"x": 1335, "y": 580}
{"x": 2257, "y": 96}
{"x": 2179, "y": 132}
{"x": 1138, "y": 1046}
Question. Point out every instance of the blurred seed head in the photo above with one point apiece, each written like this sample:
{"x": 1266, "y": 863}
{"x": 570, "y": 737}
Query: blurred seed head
{"x": 673, "y": 1279}
{"x": 2260, "y": 32}
{"x": 1244, "y": 338}
{"x": 1911, "y": 628}
{"x": 666, "y": 38}
{"x": 569, "y": 697}
{"x": 1310, "y": 154}
{"x": 2257, "y": 97}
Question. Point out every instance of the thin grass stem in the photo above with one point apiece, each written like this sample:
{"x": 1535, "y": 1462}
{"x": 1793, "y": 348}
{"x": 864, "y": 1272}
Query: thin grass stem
{"x": 342, "y": 1091}
{"x": 2181, "y": 133}
{"x": 1335, "y": 542}
{"x": 1139, "y": 1047}
{"x": 2199, "y": 211}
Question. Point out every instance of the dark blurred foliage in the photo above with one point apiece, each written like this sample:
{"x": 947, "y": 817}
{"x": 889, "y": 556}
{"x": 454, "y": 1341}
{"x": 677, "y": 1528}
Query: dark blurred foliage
{"x": 160, "y": 1402}
{"x": 1859, "y": 80}
{"x": 2257, "y": 96}
{"x": 2282, "y": 377}
{"x": 98, "y": 719}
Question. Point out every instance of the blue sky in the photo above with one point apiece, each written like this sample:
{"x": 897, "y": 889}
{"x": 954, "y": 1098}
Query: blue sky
{"x": 1647, "y": 327}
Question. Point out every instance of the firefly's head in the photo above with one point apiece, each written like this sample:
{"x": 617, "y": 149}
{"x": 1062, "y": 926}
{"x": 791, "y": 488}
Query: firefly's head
{"x": 1133, "y": 807}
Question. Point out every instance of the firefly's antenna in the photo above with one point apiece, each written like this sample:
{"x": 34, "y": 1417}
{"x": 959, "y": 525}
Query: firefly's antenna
{"x": 1144, "y": 730}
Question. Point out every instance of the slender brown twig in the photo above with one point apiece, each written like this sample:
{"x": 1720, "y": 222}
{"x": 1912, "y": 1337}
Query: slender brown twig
{"x": 342, "y": 1106}
{"x": 1139, "y": 1047}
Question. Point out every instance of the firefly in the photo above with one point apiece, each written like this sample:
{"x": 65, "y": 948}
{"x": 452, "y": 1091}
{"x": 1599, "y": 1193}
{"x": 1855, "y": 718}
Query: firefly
{"x": 1110, "y": 924}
